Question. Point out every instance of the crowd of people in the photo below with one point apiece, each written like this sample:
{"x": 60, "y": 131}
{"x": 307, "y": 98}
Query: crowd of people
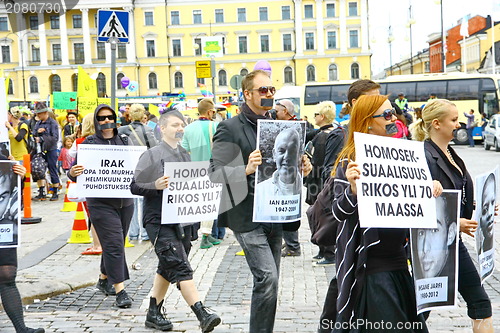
{"x": 373, "y": 282}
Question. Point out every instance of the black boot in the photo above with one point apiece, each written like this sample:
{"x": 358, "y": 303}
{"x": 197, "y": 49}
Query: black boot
{"x": 55, "y": 195}
{"x": 33, "y": 330}
{"x": 156, "y": 318}
{"x": 208, "y": 320}
{"x": 41, "y": 194}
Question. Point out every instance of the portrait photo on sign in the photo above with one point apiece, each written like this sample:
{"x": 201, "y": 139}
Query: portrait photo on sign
{"x": 486, "y": 194}
{"x": 278, "y": 180}
{"x": 5, "y": 148}
{"x": 10, "y": 205}
{"x": 435, "y": 255}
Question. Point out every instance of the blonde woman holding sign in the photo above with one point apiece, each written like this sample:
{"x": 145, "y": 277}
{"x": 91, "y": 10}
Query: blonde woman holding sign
{"x": 436, "y": 127}
{"x": 374, "y": 285}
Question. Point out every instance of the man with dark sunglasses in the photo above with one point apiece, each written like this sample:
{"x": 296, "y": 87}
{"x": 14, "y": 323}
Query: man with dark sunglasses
{"x": 233, "y": 163}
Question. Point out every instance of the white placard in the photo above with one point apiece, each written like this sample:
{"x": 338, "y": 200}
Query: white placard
{"x": 190, "y": 195}
{"x": 109, "y": 169}
{"x": 395, "y": 187}
{"x": 486, "y": 189}
{"x": 4, "y": 132}
{"x": 10, "y": 205}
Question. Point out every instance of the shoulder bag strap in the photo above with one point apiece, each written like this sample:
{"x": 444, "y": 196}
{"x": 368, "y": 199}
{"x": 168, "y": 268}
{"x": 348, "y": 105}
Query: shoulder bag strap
{"x": 144, "y": 134}
{"x": 135, "y": 134}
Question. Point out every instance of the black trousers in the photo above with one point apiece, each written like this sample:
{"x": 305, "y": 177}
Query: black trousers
{"x": 111, "y": 225}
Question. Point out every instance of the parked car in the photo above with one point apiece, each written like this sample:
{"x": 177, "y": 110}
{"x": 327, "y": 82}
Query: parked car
{"x": 492, "y": 133}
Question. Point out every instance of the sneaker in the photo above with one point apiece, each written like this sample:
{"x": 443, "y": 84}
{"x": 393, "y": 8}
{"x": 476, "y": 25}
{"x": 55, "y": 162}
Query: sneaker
{"x": 290, "y": 253}
{"x": 123, "y": 300}
{"x": 324, "y": 262}
{"x": 205, "y": 243}
{"x": 106, "y": 287}
{"x": 213, "y": 240}
{"x": 318, "y": 257}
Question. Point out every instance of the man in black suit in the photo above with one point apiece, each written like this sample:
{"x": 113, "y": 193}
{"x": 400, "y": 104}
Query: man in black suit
{"x": 234, "y": 161}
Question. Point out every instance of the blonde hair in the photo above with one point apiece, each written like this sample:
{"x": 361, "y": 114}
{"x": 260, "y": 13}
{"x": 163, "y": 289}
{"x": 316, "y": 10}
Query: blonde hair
{"x": 361, "y": 119}
{"x": 136, "y": 112}
{"x": 327, "y": 109}
{"x": 436, "y": 109}
{"x": 88, "y": 125}
{"x": 204, "y": 105}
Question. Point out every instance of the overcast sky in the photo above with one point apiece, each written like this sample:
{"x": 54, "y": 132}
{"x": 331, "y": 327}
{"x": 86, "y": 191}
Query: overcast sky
{"x": 427, "y": 16}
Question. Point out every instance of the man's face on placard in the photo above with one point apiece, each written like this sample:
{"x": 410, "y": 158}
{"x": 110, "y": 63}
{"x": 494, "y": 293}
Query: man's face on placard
{"x": 286, "y": 155}
{"x": 432, "y": 244}
{"x": 488, "y": 207}
{"x": 5, "y": 193}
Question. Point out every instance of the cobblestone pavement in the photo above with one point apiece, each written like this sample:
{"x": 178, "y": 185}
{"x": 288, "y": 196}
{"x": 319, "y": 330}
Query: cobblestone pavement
{"x": 223, "y": 280}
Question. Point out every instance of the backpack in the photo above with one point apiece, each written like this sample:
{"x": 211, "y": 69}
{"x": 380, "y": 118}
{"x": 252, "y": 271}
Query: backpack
{"x": 29, "y": 140}
{"x": 321, "y": 221}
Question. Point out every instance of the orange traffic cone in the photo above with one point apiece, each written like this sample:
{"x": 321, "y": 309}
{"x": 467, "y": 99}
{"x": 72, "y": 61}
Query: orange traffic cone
{"x": 80, "y": 233}
{"x": 28, "y": 218}
{"x": 68, "y": 206}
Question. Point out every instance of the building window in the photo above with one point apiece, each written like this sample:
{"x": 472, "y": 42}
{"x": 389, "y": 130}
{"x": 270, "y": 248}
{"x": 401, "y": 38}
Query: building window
{"x": 311, "y": 73}
{"x": 219, "y": 16}
{"x": 150, "y": 48}
{"x": 242, "y": 44}
{"x": 79, "y": 53}
{"x": 353, "y": 9}
{"x": 197, "y": 50}
{"x": 331, "y": 37}
{"x": 222, "y": 78}
{"x": 33, "y": 85}
{"x": 330, "y": 10}
{"x": 10, "y": 83}
{"x": 178, "y": 80}
{"x": 174, "y": 17}
{"x": 242, "y": 15}
{"x": 54, "y": 22}
{"x": 427, "y": 65}
{"x": 353, "y": 38}
{"x": 56, "y": 52}
{"x": 197, "y": 16}
{"x": 119, "y": 78}
{"x": 77, "y": 21}
{"x": 354, "y": 71}
{"x": 176, "y": 47}
{"x": 122, "y": 51}
{"x": 55, "y": 83}
{"x": 308, "y": 11}
{"x": 4, "y": 23}
{"x": 263, "y": 14}
{"x": 199, "y": 82}
{"x": 287, "y": 42}
{"x": 264, "y": 43}
{"x": 101, "y": 50}
{"x": 153, "y": 81}
{"x": 332, "y": 73}
{"x": 101, "y": 85}
{"x": 74, "y": 81}
{"x": 309, "y": 40}
{"x": 285, "y": 12}
{"x": 148, "y": 18}
{"x": 244, "y": 72}
{"x": 5, "y": 53}
{"x": 35, "y": 53}
{"x": 34, "y": 22}
{"x": 288, "y": 74}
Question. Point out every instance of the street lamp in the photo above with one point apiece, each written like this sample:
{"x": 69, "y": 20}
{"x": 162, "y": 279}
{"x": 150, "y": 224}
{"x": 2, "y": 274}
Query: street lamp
{"x": 411, "y": 21}
{"x": 390, "y": 39}
{"x": 20, "y": 39}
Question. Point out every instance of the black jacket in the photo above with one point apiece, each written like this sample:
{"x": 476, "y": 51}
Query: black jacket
{"x": 442, "y": 170}
{"x": 148, "y": 170}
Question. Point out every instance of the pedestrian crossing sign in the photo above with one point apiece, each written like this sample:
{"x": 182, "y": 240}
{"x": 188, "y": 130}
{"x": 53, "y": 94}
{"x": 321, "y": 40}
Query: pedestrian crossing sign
{"x": 112, "y": 23}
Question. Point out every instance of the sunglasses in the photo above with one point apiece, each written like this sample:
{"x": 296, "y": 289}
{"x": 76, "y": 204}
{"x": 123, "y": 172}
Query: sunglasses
{"x": 317, "y": 114}
{"x": 103, "y": 118}
{"x": 387, "y": 114}
{"x": 265, "y": 89}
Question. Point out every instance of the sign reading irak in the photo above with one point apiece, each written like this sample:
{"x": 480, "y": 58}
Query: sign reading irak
{"x": 190, "y": 195}
{"x": 395, "y": 185}
{"x": 108, "y": 170}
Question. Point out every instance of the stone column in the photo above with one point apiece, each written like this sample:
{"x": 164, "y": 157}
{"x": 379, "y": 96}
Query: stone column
{"x": 64, "y": 40}
{"x": 42, "y": 39}
{"x": 87, "y": 49}
{"x": 299, "y": 34}
{"x": 320, "y": 30}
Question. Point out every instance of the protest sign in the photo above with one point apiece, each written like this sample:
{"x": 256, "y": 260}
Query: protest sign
{"x": 109, "y": 169}
{"x": 64, "y": 100}
{"x": 486, "y": 193}
{"x": 278, "y": 180}
{"x": 10, "y": 205}
{"x": 86, "y": 105}
{"x": 434, "y": 255}
{"x": 190, "y": 195}
{"x": 395, "y": 185}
